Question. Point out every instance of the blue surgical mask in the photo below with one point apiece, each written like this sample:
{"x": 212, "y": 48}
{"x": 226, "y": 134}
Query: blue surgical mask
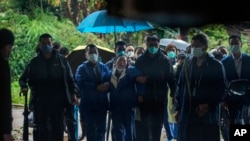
{"x": 92, "y": 58}
{"x": 171, "y": 54}
{"x": 46, "y": 49}
{"x": 152, "y": 50}
{"x": 235, "y": 48}
{"x": 120, "y": 53}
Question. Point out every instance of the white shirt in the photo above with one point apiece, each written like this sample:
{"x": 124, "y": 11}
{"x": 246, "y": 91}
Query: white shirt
{"x": 238, "y": 62}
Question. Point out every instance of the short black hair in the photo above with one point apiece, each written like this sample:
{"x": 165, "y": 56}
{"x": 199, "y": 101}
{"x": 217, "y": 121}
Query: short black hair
{"x": 90, "y": 46}
{"x": 234, "y": 36}
{"x": 202, "y": 38}
{"x": 64, "y": 51}
{"x": 139, "y": 47}
{"x": 44, "y": 35}
{"x": 120, "y": 43}
{"x": 152, "y": 38}
{"x": 56, "y": 45}
{"x": 6, "y": 37}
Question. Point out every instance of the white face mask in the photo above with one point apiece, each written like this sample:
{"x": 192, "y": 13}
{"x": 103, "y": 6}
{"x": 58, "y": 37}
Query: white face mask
{"x": 235, "y": 48}
{"x": 92, "y": 58}
{"x": 197, "y": 52}
{"x": 130, "y": 54}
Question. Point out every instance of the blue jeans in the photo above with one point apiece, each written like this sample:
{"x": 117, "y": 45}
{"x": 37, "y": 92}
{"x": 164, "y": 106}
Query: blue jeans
{"x": 124, "y": 125}
{"x": 95, "y": 123}
{"x": 173, "y": 129}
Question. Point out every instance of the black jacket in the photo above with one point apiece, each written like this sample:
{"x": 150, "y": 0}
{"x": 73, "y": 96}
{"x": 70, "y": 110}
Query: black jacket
{"x": 51, "y": 76}
{"x": 160, "y": 75}
{"x": 5, "y": 100}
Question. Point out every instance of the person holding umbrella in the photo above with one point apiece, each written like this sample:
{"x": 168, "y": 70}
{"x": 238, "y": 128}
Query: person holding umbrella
{"x": 159, "y": 76}
{"x": 6, "y": 42}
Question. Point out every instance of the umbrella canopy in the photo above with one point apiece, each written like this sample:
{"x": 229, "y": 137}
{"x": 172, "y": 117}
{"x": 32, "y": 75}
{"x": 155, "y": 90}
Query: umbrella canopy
{"x": 102, "y": 22}
{"x": 77, "y": 56}
{"x": 180, "y": 44}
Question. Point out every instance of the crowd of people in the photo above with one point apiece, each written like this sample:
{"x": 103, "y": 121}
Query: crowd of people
{"x": 141, "y": 90}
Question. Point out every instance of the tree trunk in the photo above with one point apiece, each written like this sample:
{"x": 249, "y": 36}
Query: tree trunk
{"x": 84, "y": 6}
{"x": 41, "y": 4}
{"x": 75, "y": 7}
{"x": 184, "y": 34}
{"x": 68, "y": 9}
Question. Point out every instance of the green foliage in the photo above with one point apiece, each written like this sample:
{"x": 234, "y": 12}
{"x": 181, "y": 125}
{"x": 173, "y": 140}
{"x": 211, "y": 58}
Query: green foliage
{"x": 15, "y": 90}
{"x": 27, "y": 31}
{"x": 218, "y": 35}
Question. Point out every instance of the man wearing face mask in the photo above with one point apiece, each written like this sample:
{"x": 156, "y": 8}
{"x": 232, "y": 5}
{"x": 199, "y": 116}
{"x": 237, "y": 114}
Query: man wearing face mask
{"x": 200, "y": 88}
{"x": 158, "y": 76}
{"x": 52, "y": 88}
{"x": 120, "y": 49}
{"x": 92, "y": 77}
{"x": 130, "y": 51}
{"x": 237, "y": 67}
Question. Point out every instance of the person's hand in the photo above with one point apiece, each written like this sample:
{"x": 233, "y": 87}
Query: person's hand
{"x": 224, "y": 105}
{"x": 141, "y": 79}
{"x": 173, "y": 100}
{"x": 24, "y": 91}
{"x": 76, "y": 100}
{"x": 8, "y": 137}
{"x": 176, "y": 116}
{"x": 103, "y": 87}
{"x": 202, "y": 109}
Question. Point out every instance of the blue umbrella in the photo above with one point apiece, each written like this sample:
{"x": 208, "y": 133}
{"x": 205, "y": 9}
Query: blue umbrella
{"x": 102, "y": 22}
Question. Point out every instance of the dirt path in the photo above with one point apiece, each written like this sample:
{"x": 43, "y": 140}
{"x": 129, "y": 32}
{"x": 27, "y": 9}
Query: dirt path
{"x": 17, "y": 112}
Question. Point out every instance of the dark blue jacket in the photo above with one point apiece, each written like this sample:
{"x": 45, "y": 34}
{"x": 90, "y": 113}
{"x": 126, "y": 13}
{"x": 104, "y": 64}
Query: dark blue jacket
{"x": 230, "y": 69}
{"x": 91, "y": 99}
{"x": 234, "y": 101}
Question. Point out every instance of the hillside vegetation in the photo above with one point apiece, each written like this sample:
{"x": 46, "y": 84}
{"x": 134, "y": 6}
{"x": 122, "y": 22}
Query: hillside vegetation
{"x": 27, "y": 32}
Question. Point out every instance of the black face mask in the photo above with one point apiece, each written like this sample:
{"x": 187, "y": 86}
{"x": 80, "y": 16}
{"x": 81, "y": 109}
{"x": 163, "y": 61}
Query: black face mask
{"x": 46, "y": 49}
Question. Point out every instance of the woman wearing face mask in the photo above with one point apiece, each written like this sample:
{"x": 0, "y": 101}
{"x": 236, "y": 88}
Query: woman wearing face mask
{"x": 201, "y": 87}
{"x": 170, "y": 123}
{"x": 124, "y": 94}
{"x": 171, "y": 51}
{"x": 139, "y": 51}
{"x": 92, "y": 78}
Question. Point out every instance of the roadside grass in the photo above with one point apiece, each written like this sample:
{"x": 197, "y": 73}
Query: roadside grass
{"x": 15, "y": 90}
